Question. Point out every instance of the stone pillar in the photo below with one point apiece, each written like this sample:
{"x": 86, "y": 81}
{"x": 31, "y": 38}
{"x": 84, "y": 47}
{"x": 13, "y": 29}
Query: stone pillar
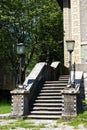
{"x": 20, "y": 102}
{"x": 69, "y": 103}
{"x": 85, "y": 85}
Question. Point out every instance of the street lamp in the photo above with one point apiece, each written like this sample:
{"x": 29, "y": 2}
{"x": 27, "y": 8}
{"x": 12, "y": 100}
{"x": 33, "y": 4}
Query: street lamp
{"x": 20, "y": 53}
{"x": 20, "y": 49}
{"x": 70, "y": 48}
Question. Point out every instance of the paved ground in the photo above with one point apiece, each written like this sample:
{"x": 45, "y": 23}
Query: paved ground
{"x": 49, "y": 124}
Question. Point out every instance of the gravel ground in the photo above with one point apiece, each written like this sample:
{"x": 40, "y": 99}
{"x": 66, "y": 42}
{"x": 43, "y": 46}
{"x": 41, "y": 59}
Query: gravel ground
{"x": 49, "y": 124}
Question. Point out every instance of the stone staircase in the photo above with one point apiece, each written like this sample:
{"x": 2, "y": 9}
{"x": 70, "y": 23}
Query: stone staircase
{"x": 48, "y": 103}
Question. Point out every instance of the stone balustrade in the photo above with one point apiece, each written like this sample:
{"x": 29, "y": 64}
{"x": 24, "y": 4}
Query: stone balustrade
{"x": 23, "y": 97}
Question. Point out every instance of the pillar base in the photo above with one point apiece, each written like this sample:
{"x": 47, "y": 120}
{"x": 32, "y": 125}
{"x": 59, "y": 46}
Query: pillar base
{"x": 69, "y": 101}
{"x": 20, "y": 102}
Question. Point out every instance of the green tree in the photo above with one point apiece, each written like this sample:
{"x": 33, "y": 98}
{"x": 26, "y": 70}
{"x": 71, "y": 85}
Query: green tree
{"x": 47, "y": 30}
{"x": 15, "y": 27}
{"x": 50, "y": 32}
{"x": 38, "y": 24}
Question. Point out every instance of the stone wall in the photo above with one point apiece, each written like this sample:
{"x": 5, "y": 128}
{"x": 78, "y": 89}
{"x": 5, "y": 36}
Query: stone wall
{"x": 72, "y": 29}
{"x": 83, "y": 20}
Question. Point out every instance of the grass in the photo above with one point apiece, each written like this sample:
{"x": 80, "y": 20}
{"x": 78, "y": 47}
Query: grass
{"x": 75, "y": 122}
{"x": 80, "y": 119}
{"x": 22, "y": 124}
{"x": 5, "y": 107}
{"x": 4, "y": 127}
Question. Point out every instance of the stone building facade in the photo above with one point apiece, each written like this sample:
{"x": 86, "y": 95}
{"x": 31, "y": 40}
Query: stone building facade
{"x": 75, "y": 28}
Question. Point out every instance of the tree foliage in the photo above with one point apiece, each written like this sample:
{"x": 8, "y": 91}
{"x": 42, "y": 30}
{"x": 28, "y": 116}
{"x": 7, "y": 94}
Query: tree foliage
{"x": 38, "y": 24}
{"x": 50, "y": 32}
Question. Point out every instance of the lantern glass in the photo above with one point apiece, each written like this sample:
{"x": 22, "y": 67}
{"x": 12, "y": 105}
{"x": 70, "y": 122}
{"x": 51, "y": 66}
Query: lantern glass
{"x": 70, "y": 45}
{"x": 20, "y": 49}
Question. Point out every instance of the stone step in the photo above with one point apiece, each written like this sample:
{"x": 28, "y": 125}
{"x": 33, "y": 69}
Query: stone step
{"x": 58, "y": 85}
{"x": 64, "y": 75}
{"x": 55, "y": 82}
{"x": 50, "y": 91}
{"x": 50, "y": 94}
{"x": 44, "y": 112}
{"x": 63, "y": 78}
{"x": 49, "y": 97}
{"x": 53, "y": 88}
{"x": 48, "y": 101}
{"x": 47, "y": 117}
{"x": 47, "y": 108}
{"x": 48, "y": 104}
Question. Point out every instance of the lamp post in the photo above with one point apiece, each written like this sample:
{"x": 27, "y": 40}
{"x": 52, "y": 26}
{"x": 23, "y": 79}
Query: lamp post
{"x": 70, "y": 48}
{"x": 20, "y": 53}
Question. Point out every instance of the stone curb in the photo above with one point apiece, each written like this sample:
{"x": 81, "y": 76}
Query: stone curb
{"x": 7, "y": 115}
